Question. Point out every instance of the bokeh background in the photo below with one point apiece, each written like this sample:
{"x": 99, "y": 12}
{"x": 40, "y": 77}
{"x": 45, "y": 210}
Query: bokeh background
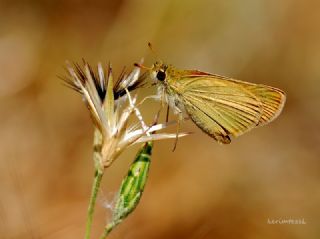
{"x": 203, "y": 189}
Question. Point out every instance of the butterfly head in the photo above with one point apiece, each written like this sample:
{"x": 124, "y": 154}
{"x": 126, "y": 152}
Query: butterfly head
{"x": 159, "y": 72}
{"x": 163, "y": 73}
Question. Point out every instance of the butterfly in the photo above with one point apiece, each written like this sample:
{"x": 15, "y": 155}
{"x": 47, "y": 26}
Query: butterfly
{"x": 220, "y": 106}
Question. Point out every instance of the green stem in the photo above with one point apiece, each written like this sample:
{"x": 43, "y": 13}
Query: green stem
{"x": 93, "y": 198}
{"x": 107, "y": 230}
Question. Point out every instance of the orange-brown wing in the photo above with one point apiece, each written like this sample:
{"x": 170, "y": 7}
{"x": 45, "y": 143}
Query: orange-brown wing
{"x": 222, "y": 106}
{"x": 272, "y": 99}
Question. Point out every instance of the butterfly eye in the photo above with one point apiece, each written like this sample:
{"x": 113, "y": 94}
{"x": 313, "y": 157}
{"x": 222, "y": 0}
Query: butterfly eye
{"x": 161, "y": 75}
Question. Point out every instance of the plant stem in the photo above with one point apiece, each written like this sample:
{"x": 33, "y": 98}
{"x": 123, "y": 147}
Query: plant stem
{"x": 107, "y": 230}
{"x": 95, "y": 189}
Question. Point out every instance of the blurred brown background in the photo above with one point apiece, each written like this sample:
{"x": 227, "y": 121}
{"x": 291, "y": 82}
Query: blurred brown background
{"x": 203, "y": 189}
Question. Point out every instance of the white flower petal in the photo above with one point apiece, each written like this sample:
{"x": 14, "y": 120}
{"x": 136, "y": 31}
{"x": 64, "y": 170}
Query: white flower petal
{"x": 123, "y": 120}
{"x": 101, "y": 75}
{"x": 153, "y": 137}
{"x": 152, "y": 128}
{"x": 132, "y": 77}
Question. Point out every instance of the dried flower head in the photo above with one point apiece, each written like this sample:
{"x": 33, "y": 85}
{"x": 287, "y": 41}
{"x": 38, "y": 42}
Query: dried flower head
{"x": 111, "y": 115}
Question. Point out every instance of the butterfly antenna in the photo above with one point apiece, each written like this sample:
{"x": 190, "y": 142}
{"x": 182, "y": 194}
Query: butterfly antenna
{"x": 153, "y": 51}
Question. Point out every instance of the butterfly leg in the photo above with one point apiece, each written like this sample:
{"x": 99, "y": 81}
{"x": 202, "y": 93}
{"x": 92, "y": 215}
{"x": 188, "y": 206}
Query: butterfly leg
{"x": 167, "y": 116}
{"x": 154, "y": 97}
{"x": 180, "y": 118}
{"x": 161, "y": 96}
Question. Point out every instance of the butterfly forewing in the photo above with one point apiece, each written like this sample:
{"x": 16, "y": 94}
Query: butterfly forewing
{"x": 222, "y": 107}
